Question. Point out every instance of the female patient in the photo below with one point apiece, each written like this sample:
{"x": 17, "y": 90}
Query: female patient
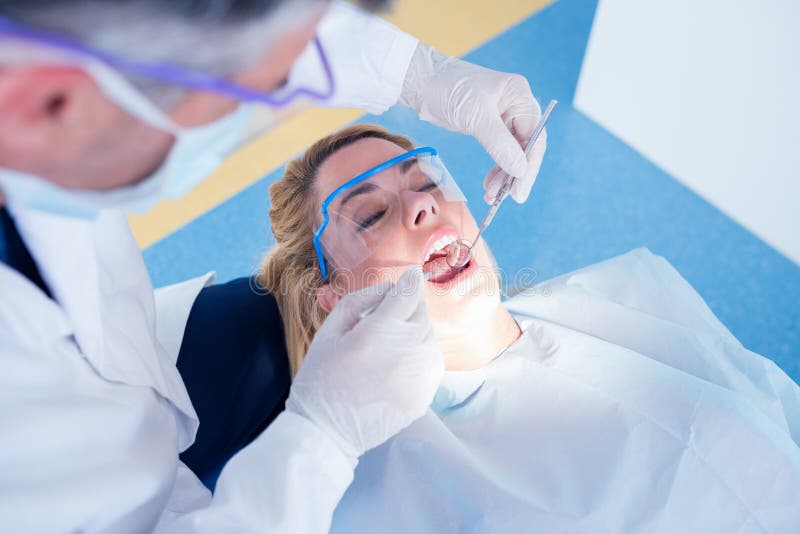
{"x": 607, "y": 400}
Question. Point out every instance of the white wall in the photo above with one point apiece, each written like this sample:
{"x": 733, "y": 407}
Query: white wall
{"x": 709, "y": 91}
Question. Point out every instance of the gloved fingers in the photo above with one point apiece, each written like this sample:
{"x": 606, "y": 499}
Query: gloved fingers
{"x": 420, "y": 324}
{"x": 419, "y": 316}
{"x": 523, "y": 124}
{"x": 519, "y": 109}
{"x": 518, "y": 121}
{"x": 434, "y": 374}
{"x": 492, "y": 182}
{"x": 523, "y": 184}
{"x": 498, "y": 140}
{"x": 354, "y": 307}
{"x": 403, "y": 299}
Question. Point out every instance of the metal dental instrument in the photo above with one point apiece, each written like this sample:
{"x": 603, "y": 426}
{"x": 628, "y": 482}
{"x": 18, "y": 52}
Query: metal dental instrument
{"x": 459, "y": 252}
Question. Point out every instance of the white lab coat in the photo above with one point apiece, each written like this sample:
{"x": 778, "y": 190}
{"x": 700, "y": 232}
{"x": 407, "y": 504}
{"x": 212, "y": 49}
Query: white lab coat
{"x": 624, "y": 407}
{"x": 94, "y": 412}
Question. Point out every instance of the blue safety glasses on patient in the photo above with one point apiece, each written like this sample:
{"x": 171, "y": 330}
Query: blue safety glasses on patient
{"x": 363, "y": 212}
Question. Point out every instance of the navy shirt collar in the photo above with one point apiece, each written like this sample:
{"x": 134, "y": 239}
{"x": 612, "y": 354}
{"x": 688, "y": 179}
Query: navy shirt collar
{"x": 15, "y": 254}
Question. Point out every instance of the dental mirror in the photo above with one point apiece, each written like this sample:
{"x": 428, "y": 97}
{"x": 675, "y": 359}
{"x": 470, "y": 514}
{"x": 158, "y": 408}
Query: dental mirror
{"x": 459, "y": 253}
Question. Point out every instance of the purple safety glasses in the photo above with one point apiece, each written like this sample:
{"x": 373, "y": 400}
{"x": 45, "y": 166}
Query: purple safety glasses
{"x": 173, "y": 74}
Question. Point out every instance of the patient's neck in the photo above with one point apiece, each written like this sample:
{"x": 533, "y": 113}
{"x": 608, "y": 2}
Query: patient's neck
{"x": 478, "y": 340}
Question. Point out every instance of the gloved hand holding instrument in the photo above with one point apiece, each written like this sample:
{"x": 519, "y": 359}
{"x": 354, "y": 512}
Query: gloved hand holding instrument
{"x": 459, "y": 252}
{"x": 497, "y": 108}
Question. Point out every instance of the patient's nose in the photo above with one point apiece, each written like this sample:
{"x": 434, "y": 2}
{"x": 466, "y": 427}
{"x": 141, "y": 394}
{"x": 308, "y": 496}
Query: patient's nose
{"x": 419, "y": 208}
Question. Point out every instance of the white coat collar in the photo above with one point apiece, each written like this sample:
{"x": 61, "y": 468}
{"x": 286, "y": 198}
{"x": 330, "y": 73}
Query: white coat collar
{"x": 97, "y": 276}
{"x": 31, "y": 317}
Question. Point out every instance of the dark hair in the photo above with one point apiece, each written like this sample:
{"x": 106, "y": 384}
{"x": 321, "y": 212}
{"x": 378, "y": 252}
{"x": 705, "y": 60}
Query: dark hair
{"x": 216, "y": 37}
{"x": 215, "y": 10}
{"x": 25, "y": 10}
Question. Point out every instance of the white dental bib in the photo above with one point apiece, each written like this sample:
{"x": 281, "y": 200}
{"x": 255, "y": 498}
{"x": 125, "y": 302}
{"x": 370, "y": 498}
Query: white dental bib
{"x": 625, "y": 406}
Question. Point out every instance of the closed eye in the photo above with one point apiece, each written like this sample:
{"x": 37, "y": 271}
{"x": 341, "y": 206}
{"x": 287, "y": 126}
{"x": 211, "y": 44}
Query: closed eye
{"x": 371, "y": 220}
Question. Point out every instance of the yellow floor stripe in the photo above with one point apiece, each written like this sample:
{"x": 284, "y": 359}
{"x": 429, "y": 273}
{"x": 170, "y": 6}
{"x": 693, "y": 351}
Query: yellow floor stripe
{"x": 452, "y": 26}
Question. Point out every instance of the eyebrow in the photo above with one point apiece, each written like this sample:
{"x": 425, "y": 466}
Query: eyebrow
{"x": 407, "y": 164}
{"x": 367, "y": 187}
{"x": 362, "y": 189}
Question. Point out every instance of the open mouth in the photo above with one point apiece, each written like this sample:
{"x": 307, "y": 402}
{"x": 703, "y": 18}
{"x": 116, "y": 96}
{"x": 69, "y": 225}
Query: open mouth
{"x": 435, "y": 266}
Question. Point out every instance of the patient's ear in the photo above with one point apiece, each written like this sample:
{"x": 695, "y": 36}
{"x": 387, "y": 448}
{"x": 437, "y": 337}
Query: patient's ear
{"x": 327, "y": 297}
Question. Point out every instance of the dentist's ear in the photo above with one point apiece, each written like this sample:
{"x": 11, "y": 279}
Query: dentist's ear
{"x": 328, "y": 297}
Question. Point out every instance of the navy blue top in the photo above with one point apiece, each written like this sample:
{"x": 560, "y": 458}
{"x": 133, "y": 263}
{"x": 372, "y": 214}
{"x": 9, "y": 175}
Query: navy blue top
{"x": 234, "y": 363}
{"x": 14, "y": 253}
{"x": 233, "y": 360}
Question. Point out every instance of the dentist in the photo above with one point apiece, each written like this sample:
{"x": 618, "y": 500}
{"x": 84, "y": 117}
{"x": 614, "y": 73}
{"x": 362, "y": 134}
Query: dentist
{"x": 112, "y": 106}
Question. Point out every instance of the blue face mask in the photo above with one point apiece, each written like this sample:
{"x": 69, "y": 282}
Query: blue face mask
{"x": 195, "y": 154}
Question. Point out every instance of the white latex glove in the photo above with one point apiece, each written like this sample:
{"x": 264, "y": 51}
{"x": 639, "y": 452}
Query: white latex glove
{"x": 364, "y": 380}
{"x": 496, "y": 108}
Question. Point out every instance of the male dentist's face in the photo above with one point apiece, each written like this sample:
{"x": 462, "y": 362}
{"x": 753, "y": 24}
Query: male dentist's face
{"x": 57, "y": 124}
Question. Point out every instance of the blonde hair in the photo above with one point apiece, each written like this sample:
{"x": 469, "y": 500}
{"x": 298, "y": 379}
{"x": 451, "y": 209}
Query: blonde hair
{"x": 290, "y": 270}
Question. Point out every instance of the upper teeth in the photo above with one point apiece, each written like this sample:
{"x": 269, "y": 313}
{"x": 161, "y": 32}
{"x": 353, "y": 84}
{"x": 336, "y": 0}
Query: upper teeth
{"x": 438, "y": 245}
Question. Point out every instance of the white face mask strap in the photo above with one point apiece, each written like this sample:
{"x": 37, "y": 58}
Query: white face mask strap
{"x": 123, "y": 93}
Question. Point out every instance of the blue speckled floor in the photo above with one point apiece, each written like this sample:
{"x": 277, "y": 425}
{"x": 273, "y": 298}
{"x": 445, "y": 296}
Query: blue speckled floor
{"x": 595, "y": 198}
